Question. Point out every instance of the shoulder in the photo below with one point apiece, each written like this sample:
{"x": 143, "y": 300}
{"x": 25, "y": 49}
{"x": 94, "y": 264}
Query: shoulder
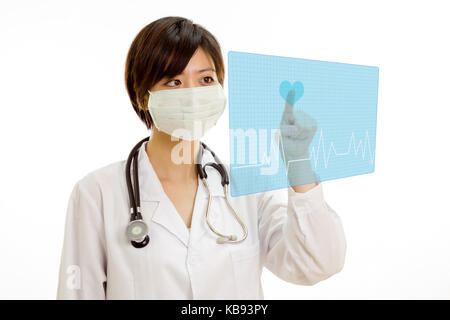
{"x": 100, "y": 180}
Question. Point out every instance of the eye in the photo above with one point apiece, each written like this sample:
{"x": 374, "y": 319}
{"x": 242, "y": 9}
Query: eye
{"x": 211, "y": 79}
{"x": 171, "y": 81}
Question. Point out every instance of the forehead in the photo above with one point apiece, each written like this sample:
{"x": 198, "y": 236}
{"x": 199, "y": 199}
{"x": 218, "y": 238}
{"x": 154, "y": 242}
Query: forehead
{"x": 200, "y": 60}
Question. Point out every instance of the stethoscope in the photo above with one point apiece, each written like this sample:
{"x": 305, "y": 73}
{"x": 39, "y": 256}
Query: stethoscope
{"x": 137, "y": 229}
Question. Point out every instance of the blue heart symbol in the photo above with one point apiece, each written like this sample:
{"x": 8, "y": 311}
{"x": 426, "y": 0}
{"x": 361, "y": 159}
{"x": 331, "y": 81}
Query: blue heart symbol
{"x": 286, "y": 86}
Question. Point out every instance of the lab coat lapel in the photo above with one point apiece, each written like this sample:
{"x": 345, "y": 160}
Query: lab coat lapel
{"x": 167, "y": 216}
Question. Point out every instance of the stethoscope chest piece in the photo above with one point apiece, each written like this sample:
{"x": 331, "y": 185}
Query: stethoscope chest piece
{"x": 137, "y": 233}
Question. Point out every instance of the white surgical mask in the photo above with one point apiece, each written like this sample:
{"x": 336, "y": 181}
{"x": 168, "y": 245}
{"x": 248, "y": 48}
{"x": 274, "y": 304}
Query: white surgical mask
{"x": 187, "y": 113}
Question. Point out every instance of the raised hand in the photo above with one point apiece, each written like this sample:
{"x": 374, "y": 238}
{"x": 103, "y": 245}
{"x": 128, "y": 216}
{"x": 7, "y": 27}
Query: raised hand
{"x": 297, "y": 129}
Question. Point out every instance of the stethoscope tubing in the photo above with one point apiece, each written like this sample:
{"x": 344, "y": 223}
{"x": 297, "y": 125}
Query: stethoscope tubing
{"x": 135, "y": 201}
{"x": 224, "y": 238}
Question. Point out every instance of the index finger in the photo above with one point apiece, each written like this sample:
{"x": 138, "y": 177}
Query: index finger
{"x": 288, "y": 113}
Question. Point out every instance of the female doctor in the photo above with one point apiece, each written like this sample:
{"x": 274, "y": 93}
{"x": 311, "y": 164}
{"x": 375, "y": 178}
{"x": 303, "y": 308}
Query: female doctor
{"x": 181, "y": 236}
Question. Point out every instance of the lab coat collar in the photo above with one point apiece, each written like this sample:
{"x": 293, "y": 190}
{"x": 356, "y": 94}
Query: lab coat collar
{"x": 157, "y": 205}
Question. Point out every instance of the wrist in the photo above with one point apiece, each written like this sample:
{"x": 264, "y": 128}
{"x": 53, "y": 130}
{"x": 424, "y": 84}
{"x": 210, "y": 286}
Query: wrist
{"x": 300, "y": 172}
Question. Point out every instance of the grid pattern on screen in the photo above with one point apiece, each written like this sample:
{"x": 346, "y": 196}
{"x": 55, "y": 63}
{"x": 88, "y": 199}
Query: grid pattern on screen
{"x": 341, "y": 97}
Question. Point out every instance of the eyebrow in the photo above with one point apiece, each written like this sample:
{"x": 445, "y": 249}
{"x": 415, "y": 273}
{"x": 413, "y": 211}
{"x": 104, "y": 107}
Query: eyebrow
{"x": 199, "y": 71}
{"x": 207, "y": 69}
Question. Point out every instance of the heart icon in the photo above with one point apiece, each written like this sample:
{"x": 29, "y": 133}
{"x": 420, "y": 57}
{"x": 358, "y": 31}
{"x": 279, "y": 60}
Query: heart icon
{"x": 286, "y": 86}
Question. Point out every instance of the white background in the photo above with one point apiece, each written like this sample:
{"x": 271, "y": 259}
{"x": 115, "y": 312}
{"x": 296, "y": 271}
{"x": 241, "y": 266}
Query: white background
{"x": 64, "y": 112}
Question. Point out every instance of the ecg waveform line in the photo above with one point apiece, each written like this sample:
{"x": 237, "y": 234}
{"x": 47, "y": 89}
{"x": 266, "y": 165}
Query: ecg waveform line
{"x": 266, "y": 160}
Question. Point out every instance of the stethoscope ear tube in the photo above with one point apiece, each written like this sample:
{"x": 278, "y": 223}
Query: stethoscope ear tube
{"x": 218, "y": 165}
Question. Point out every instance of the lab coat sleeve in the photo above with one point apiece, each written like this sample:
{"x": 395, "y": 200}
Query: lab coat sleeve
{"x": 303, "y": 239}
{"x": 82, "y": 272}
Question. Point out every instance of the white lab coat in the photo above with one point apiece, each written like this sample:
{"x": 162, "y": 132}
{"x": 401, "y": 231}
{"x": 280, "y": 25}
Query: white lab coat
{"x": 297, "y": 236}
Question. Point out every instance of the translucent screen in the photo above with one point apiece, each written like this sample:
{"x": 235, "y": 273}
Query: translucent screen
{"x": 340, "y": 99}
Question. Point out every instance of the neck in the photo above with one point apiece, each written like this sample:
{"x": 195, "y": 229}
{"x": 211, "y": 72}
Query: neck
{"x": 172, "y": 160}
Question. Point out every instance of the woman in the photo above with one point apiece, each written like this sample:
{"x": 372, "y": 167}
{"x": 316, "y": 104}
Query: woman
{"x": 293, "y": 232}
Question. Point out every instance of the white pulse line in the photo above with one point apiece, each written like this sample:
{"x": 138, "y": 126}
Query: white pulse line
{"x": 267, "y": 160}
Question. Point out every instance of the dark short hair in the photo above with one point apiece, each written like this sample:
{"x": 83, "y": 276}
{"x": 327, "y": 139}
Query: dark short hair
{"x": 163, "y": 49}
